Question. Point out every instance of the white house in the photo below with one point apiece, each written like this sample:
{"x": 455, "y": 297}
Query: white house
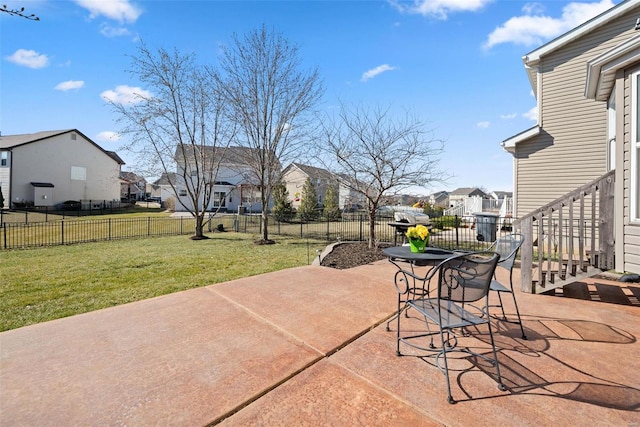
{"x": 46, "y": 168}
{"x": 233, "y": 185}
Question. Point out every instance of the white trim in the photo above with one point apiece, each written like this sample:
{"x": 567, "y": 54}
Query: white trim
{"x": 532, "y": 59}
{"x": 601, "y": 71}
{"x": 606, "y": 16}
{"x": 510, "y": 144}
{"x": 634, "y": 146}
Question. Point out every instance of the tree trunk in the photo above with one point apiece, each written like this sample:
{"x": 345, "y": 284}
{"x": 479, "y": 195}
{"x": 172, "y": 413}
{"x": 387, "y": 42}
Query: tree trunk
{"x": 199, "y": 226}
{"x": 265, "y": 225}
{"x": 372, "y": 229}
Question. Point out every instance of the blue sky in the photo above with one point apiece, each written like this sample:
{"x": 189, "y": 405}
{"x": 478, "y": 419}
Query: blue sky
{"x": 455, "y": 63}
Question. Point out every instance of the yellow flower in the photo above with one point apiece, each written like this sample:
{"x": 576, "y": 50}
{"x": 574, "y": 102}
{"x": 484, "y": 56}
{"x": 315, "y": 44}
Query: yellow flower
{"x": 418, "y": 232}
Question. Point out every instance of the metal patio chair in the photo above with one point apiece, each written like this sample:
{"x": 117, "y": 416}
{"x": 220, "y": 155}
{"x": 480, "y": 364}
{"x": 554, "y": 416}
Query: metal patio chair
{"x": 461, "y": 280}
{"x": 507, "y": 246}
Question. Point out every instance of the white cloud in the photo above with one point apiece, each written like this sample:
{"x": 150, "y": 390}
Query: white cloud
{"x": 534, "y": 28}
{"x": 376, "y": 71}
{"x": 109, "y": 31}
{"x": 108, "y": 136}
{"x": 441, "y": 9}
{"x": 124, "y": 94}
{"x": 119, "y": 10}
{"x": 483, "y": 125}
{"x": 69, "y": 85}
{"x": 532, "y": 114}
{"x": 29, "y": 58}
{"x": 508, "y": 116}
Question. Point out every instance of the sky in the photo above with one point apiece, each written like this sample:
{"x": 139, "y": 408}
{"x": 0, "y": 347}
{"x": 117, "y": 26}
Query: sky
{"x": 456, "y": 64}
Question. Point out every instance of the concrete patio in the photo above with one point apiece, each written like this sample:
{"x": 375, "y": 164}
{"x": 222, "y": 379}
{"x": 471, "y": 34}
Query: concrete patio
{"x": 308, "y": 346}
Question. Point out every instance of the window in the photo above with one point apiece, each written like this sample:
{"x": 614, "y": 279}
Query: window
{"x": 182, "y": 193}
{"x": 219, "y": 199}
{"x": 78, "y": 173}
{"x": 635, "y": 148}
{"x": 4, "y": 158}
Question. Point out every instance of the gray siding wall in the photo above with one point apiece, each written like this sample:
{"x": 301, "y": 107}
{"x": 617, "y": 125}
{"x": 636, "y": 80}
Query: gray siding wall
{"x": 571, "y": 150}
{"x": 51, "y": 160}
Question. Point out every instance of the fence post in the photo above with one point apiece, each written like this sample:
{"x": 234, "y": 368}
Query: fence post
{"x": 328, "y": 224}
{"x": 148, "y": 226}
{"x": 109, "y": 228}
{"x": 4, "y": 233}
{"x": 360, "y": 229}
{"x": 62, "y": 231}
{"x": 26, "y": 215}
{"x": 457, "y": 232}
{"x": 301, "y": 229}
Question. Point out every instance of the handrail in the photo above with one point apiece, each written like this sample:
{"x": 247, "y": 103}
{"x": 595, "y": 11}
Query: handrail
{"x": 585, "y": 189}
{"x": 568, "y": 242}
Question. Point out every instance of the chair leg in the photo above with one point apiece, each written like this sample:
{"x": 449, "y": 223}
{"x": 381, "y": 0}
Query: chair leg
{"x": 398, "y": 314}
{"x": 501, "y": 386}
{"x": 398, "y": 330}
{"x": 504, "y": 316}
{"x": 446, "y": 368}
{"x": 515, "y": 303}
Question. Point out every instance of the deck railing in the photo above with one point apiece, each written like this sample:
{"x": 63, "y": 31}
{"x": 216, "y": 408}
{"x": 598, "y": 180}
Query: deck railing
{"x": 569, "y": 237}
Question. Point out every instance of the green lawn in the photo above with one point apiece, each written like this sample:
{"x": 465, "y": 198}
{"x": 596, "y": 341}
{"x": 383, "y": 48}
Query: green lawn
{"x": 53, "y": 282}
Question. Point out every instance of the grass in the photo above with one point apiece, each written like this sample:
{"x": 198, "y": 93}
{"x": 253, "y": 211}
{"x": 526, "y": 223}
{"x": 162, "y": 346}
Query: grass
{"x": 17, "y": 217}
{"x": 48, "y": 283}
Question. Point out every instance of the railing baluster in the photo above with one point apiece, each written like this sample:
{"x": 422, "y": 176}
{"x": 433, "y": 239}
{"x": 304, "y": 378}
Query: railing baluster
{"x": 581, "y": 234}
{"x": 560, "y": 245}
{"x": 569, "y": 269}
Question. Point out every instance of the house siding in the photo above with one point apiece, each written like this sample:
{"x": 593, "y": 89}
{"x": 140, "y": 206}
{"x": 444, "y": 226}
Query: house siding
{"x": 50, "y": 160}
{"x": 572, "y": 147}
{"x": 295, "y": 179}
{"x": 5, "y": 180}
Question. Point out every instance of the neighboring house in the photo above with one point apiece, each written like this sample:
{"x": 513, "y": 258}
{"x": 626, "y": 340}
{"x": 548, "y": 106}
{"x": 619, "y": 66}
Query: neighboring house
{"x": 233, "y": 187}
{"x": 133, "y": 186}
{"x": 587, "y": 86}
{"x": 439, "y": 199}
{"x": 460, "y": 195}
{"x": 500, "y": 195}
{"x": 347, "y": 196}
{"x": 161, "y": 188}
{"x": 46, "y": 168}
{"x": 296, "y": 174}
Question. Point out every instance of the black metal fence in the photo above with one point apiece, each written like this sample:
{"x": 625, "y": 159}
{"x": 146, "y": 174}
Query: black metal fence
{"x": 72, "y": 209}
{"x": 446, "y": 232}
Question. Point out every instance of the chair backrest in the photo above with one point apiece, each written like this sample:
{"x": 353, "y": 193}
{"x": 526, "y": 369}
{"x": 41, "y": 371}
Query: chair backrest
{"x": 507, "y": 246}
{"x": 466, "y": 278}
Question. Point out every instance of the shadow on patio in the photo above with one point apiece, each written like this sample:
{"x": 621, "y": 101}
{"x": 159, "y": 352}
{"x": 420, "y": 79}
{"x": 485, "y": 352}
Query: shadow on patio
{"x": 308, "y": 346}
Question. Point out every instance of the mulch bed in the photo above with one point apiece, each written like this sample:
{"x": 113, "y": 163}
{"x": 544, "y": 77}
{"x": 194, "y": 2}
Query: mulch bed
{"x": 349, "y": 255}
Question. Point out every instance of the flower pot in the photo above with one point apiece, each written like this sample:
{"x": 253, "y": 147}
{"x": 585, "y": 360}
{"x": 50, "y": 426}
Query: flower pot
{"x": 417, "y": 245}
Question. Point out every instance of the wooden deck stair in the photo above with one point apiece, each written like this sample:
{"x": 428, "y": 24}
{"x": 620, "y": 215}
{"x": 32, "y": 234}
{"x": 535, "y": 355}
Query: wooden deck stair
{"x": 565, "y": 274}
{"x": 569, "y": 239}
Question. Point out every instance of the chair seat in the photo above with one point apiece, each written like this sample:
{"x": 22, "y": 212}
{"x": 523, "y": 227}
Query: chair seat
{"x": 497, "y": 286}
{"x": 450, "y": 316}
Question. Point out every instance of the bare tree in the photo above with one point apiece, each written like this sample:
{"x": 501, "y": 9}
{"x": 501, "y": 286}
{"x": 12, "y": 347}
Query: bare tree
{"x": 377, "y": 154}
{"x": 271, "y": 99}
{"x": 178, "y": 123}
{"x": 18, "y": 12}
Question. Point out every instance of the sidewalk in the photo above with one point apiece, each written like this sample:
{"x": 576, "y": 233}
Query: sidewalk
{"x": 308, "y": 346}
